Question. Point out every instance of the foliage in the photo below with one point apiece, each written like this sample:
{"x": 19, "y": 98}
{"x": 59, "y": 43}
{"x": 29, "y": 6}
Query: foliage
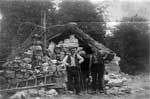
{"x": 16, "y": 13}
{"x": 131, "y": 43}
{"x": 85, "y": 14}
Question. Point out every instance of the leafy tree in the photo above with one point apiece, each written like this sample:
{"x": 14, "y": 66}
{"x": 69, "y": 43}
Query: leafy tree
{"x": 87, "y": 15}
{"x": 131, "y": 42}
{"x": 16, "y": 13}
{"x": 89, "y": 18}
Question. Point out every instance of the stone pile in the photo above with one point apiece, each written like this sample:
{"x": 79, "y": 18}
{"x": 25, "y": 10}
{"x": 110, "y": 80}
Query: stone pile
{"x": 37, "y": 62}
{"x": 116, "y": 84}
{"x": 35, "y": 93}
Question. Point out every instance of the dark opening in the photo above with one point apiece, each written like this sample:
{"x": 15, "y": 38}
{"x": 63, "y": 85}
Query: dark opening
{"x": 83, "y": 44}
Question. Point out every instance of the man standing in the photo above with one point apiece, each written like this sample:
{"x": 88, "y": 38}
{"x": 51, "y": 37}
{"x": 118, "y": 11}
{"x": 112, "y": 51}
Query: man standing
{"x": 73, "y": 70}
{"x": 97, "y": 69}
{"x": 85, "y": 71}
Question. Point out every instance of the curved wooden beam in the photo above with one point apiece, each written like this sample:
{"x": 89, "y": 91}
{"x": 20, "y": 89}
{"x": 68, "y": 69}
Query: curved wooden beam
{"x": 57, "y": 30}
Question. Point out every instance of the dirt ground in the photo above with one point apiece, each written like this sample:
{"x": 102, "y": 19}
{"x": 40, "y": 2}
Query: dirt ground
{"x": 140, "y": 90}
{"x": 140, "y": 86}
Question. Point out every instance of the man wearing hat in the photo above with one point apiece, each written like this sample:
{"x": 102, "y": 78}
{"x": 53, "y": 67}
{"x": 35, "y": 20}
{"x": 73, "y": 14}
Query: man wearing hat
{"x": 73, "y": 61}
{"x": 97, "y": 69}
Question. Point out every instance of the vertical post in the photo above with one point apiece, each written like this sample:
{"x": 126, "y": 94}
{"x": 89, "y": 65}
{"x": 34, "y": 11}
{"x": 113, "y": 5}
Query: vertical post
{"x": 44, "y": 27}
{"x": 12, "y": 51}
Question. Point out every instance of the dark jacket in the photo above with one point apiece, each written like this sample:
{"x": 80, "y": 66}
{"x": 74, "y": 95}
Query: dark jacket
{"x": 76, "y": 60}
{"x": 85, "y": 64}
{"x": 97, "y": 66}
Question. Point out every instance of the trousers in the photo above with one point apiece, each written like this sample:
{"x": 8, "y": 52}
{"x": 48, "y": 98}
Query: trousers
{"x": 73, "y": 74}
{"x": 97, "y": 73}
{"x": 84, "y": 80}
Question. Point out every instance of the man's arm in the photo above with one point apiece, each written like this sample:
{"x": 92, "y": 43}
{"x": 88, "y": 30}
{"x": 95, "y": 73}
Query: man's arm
{"x": 64, "y": 61}
{"x": 81, "y": 59}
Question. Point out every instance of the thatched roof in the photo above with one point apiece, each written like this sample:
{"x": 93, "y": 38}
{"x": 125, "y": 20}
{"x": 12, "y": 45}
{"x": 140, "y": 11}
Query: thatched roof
{"x": 73, "y": 29}
{"x": 58, "y": 30}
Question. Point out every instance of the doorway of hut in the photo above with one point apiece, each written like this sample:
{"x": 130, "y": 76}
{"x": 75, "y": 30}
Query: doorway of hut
{"x": 67, "y": 41}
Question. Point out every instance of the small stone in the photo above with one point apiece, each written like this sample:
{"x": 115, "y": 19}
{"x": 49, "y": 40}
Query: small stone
{"x": 116, "y": 82}
{"x": 27, "y": 60}
{"x": 52, "y": 92}
{"x": 28, "y": 66}
{"x": 26, "y": 75}
{"x": 33, "y": 92}
{"x": 1, "y": 97}
{"x": 41, "y": 92}
{"x": 19, "y": 75}
{"x": 10, "y": 74}
{"x": 36, "y": 48}
{"x": 19, "y": 95}
{"x": 37, "y": 98}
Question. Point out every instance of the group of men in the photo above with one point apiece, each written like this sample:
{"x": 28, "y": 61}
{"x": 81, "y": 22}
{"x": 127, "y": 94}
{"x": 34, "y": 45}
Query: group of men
{"x": 80, "y": 67}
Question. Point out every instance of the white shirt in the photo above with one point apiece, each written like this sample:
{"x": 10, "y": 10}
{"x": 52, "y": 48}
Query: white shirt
{"x": 81, "y": 59}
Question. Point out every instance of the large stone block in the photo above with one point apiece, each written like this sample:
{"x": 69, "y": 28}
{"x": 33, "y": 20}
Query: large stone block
{"x": 27, "y": 60}
{"x": 9, "y": 74}
{"x": 113, "y": 66}
{"x": 19, "y": 75}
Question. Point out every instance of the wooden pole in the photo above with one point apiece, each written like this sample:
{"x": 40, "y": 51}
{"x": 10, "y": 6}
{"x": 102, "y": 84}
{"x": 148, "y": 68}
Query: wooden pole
{"x": 44, "y": 27}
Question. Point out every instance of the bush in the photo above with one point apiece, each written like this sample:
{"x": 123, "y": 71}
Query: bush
{"x": 131, "y": 42}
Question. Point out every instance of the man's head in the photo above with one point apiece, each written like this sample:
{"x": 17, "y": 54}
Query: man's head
{"x": 73, "y": 50}
{"x": 62, "y": 53}
{"x": 57, "y": 50}
{"x": 95, "y": 51}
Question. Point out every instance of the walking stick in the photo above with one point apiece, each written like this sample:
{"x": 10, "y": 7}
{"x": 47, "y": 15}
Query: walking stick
{"x": 90, "y": 65}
